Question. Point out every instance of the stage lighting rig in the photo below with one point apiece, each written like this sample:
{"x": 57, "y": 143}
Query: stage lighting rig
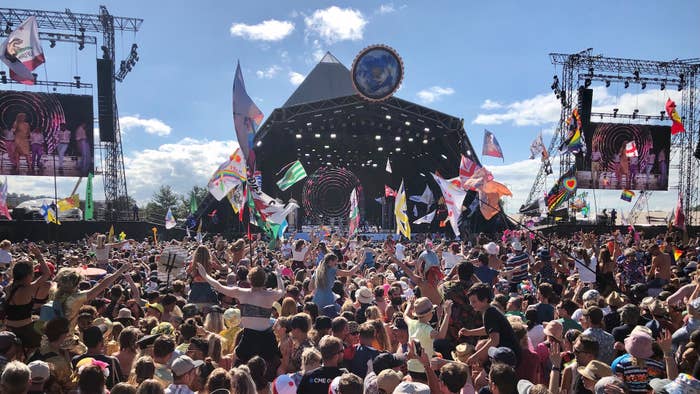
{"x": 615, "y": 112}
{"x": 81, "y": 41}
{"x": 663, "y": 114}
{"x": 52, "y": 43}
{"x": 636, "y": 75}
{"x": 77, "y": 81}
{"x": 127, "y": 65}
{"x": 3, "y": 77}
{"x": 635, "y": 113}
{"x": 663, "y": 85}
{"x": 8, "y": 28}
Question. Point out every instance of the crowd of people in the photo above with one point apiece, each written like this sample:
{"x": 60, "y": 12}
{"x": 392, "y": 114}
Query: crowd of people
{"x": 520, "y": 312}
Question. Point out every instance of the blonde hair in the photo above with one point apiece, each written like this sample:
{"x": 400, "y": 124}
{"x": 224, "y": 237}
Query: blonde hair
{"x": 380, "y": 334}
{"x": 241, "y": 381}
{"x": 310, "y": 359}
{"x": 289, "y": 307}
{"x": 321, "y": 277}
{"x": 373, "y": 313}
{"x": 214, "y": 322}
{"x": 67, "y": 281}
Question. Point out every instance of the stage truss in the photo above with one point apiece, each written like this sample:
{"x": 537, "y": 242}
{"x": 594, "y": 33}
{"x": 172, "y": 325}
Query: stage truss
{"x": 581, "y": 69}
{"x": 62, "y": 26}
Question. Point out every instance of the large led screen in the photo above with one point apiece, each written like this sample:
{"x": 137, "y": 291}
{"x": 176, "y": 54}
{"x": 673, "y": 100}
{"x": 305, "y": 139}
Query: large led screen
{"x": 625, "y": 156}
{"x": 46, "y": 134}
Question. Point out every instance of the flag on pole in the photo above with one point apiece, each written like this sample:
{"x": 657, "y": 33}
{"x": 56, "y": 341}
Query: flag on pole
{"x": 574, "y": 142}
{"x": 389, "y": 192}
{"x": 246, "y": 115}
{"x": 170, "y": 221}
{"x": 467, "y": 168}
{"x": 198, "y": 235}
{"x": 679, "y": 216}
{"x": 68, "y": 203}
{"x": 489, "y": 192}
{"x": 627, "y": 195}
{"x": 426, "y": 198}
{"x": 49, "y": 214}
{"x": 563, "y": 189}
{"x": 22, "y": 52}
{"x": 454, "y": 194}
{"x": 354, "y": 218}
{"x": 537, "y": 147}
{"x": 425, "y": 219}
{"x": 401, "y": 212}
{"x": 229, "y": 175}
{"x": 122, "y": 236}
{"x": 631, "y": 149}
{"x": 388, "y": 165}
{"x": 110, "y": 235}
{"x": 491, "y": 145}
{"x": 294, "y": 174}
{"x": 4, "y": 211}
{"x": 88, "y": 214}
{"x": 193, "y": 203}
{"x": 677, "y": 125}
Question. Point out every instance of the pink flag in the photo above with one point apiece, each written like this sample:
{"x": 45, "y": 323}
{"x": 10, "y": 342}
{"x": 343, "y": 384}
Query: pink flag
{"x": 22, "y": 52}
{"x": 246, "y": 116}
{"x": 679, "y": 217}
{"x": 466, "y": 169}
{"x": 491, "y": 145}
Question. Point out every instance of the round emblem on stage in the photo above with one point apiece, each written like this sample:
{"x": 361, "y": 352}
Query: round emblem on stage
{"x": 377, "y": 72}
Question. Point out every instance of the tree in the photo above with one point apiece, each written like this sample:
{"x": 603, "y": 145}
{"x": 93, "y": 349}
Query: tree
{"x": 162, "y": 199}
{"x": 183, "y": 209}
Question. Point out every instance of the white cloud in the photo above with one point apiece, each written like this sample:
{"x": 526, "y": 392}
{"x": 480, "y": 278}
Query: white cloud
{"x": 151, "y": 126}
{"x": 295, "y": 78}
{"x": 488, "y": 104}
{"x": 268, "y": 73}
{"x": 541, "y": 109}
{"x": 318, "y": 55}
{"x": 386, "y": 9}
{"x": 269, "y": 30}
{"x": 434, "y": 93}
{"x": 336, "y": 24}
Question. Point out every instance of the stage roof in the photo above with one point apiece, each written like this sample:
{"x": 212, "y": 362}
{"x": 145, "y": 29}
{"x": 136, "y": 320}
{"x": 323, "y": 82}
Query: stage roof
{"x": 329, "y": 79}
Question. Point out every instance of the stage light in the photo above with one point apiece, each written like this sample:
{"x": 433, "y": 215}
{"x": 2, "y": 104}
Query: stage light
{"x": 425, "y": 141}
{"x": 328, "y": 163}
{"x": 644, "y": 85}
{"x": 77, "y": 81}
{"x": 3, "y": 77}
{"x": 587, "y": 82}
{"x": 427, "y": 130}
{"x": 615, "y": 112}
{"x": 662, "y": 113}
{"x": 8, "y": 28}
{"x": 469, "y": 152}
{"x": 397, "y": 138}
{"x": 443, "y": 156}
{"x": 306, "y": 154}
{"x": 317, "y": 135}
{"x": 627, "y": 84}
{"x": 258, "y": 144}
{"x": 397, "y": 149}
{"x": 52, "y": 43}
{"x": 636, "y": 74}
{"x": 663, "y": 85}
{"x": 407, "y": 123}
{"x": 410, "y": 139}
{"x": 607, "y": 83}
{"x": 333, "y": 135}
{"x": 388, "y": 116}
{"x": 308, "y": 124}
{"x": 374, "y": 165}
{"x": 380, "y": 148}
{"x": 326, "y": 146}
{"x": 377, "y": 137}
{"x": 298, "y": 136}
{"x": 590, "y": 71}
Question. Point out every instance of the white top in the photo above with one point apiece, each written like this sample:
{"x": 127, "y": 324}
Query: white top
{"x": 536, "y": 335}
{"x": 400, "y": 251}
{"x": 5, "y": 257}
{"x": 64, "y": 136}
{"x": 299, "y": 255}
{"x": 450, "y": 259}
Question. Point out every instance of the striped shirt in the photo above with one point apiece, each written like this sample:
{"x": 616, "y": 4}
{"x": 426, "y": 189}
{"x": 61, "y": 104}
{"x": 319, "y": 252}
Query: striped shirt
{"x": 518, "y": 263}
{"x": 637, "y": 377}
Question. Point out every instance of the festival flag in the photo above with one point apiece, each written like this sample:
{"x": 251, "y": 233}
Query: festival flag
{"x": 110, "y": 234}
{"x": 388, "y": 166}
{"x": 49, "y": 214}
{"x": 389, "y": 192}
{"x": 563, "y": 189}
{"x": 454, "y": 194}
{"x": 246, "y": 116}
{"x": 4, "y": 211}
{"x": 677, "y": 253}
{"x": 427, "y": 219}
{"x": 155, "y": 235}
{"x": 426, "y": 198}
{"x": 294, "y": 174}
{"x": 193, "y": 203}
{"x": 198, "y": 235}
{"x": 631, "y": 149}
{"x": 627, "y": 195}
{"x": 400, "y": 211}
{"x": 677, "y": 125}
{"x": 122, "y": 236}
{"x": 537, "y": 147}
{"x": 491, "y": 145}
{"x": 170, "y": 221}
{"x": 88, "y": 214}
{"x": 679, "y": 216}
{"x": 266, "y": 212}
{"x": 229, "y": 175}
{"x": 467, "y": 168}
{"x": 237, "y": 200}
{"x": 354, "y": 218}
{"x": 68, "y": 203}
{"x": 574, "y": 142}
{"x": 489, "y": 192}
{"x": 22, "y": 52}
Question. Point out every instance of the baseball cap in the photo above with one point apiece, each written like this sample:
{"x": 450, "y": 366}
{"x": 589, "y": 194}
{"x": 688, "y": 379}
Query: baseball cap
{"x": 7, "y": 339}
{"x": 184, "y": 364}
{"x": 412, "y": 388}
{"x": 503, "y": 355}
{"x": 386, "y": 361}
{"x": 39, "y": 371}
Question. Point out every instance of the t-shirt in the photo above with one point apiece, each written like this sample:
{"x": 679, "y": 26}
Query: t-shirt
{"x": 518, "y": 264}
{"x": 637, "y": 377}
{"x": 430, "y": 259}
{"x": 299, "y": 255}
{"x": 451, "y": 260}
{"x": 570, "y": 324}
{"x": 318, "y": 380}
{"x": 5, "y": 257}
{"x": 421, "y": 332}
{"x": 400, "y": 251}
{"x": 545, "y": 312}
{"x": 358, "y": 364}
{"x": 495, "y": 321}
{"x": 485, "y": 273}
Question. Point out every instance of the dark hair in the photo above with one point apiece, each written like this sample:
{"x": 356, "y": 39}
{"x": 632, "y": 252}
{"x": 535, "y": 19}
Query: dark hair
{"x": 503, "y": 376}
{"x": 569, "y": 306}
{"x": 379, "y": 291}
{"x": 200, "y": 343}
{"x": 454, "y": 376}
{"x": 481, "y": 291}
{"x": 594, "y": 314}
{"x": 163, "y": 346}
{"x": 589, "y": 344}
{"x": 546, "y": 291}
{"x": 218, "y": 379}
{"x": 168, "y": 299}
{"x": 21, "y": 270}
{"x": 312, "y": 309}
{"x": 483, "y": 259}
{"x": 128, "y": 338}
{"x": 367, "y": 330}
{"x": 92, "y": 336}
{"x": 300, "y": 321}
{"x": 465, "y": 270}
{"x": 338, "y": 324}
{"x": 56, "y": 327}
{"x": 257, "y": 277}
{"x": 91, "y": 380}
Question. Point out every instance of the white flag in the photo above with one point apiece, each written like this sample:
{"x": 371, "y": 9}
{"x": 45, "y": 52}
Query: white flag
{"x": 388, "y": 165}
{"x": 425, "y": 219}
{"x": 425, "y": 198}
{"x": 170, "y": 221}
{"x": 22, "y": 52}
{"x": 454, "y": 195}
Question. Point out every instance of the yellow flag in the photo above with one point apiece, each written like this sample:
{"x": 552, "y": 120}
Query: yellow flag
{"x": 110, "y": 236}
{"x": 402, "y": 224}
{"x": 51, "y": 217}
{"x": 68, "y": 203}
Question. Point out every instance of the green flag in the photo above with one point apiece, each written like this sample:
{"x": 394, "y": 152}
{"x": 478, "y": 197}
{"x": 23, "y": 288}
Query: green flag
{"x": 88, "y": 199}
{"x": 193, "y": 204}
{"x": 294, "y": 174}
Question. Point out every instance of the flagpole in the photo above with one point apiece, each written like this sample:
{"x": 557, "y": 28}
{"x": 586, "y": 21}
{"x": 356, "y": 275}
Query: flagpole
{"x": 55, "y": 197}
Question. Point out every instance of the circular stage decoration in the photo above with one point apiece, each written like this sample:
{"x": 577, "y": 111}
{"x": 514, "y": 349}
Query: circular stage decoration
{"x": 377, "y": 72}
{"x": 610, "y": 138}
{"x": 326, "y": 193}
{"x": 43, "y": 111}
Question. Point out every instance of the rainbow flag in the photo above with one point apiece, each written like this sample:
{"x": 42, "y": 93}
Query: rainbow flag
{"x": 563, "y": 189}
{"x": 574, "y": 142}
{"x": 627, "y": 195}
{"x": 677, "y": 253}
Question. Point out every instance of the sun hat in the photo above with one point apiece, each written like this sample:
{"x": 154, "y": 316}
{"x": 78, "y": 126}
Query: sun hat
{"x": 39, "y": 371}
{"x": 524, "y": 386}
{"x": 412, "y": 388}
{"x": 591, "y": 295}
{"x": 364, "y": 295}
{"x": 555, "y": 329}
{"x": 388, "y": 379}
{"x": 638, "y": 344}
{"x": 491, "y": 248}
{"x": 156, "y": 306}
{"x": 462, "y": 352}
{"x": 422, "y": 306}
{"x": 603, "y": 383}
{"x": 595, "y": 370}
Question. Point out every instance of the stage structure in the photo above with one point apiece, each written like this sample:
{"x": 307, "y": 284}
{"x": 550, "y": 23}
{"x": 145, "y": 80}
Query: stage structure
{"x": 62, "y": 27}
{"x": 344, "y": 136}
{"x": 571, "y": 86}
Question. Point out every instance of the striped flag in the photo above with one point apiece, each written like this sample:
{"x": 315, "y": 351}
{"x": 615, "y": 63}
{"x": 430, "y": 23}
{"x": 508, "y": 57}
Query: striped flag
{"x": 400, "y": 211}
{"x": 466, "y": 169}
{"x": 677, "y": 253}
{"x": 246, "y": 115}
{"x": 354, "y": 218}
{"x": 627, "y": 195}
{"x": 22, "y": 52}
{"x": 574, "y": 142}
{"x": 631, "y": 149}
{"x": 3, "y": 201}
{"x": 294, "y": 174}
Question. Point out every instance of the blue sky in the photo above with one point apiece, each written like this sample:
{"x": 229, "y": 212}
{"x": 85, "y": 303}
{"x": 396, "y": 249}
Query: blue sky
{"x": 486, "y": 62}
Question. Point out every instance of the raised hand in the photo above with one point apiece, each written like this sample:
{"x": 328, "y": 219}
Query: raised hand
{"x": 555, "y": 354}
{"x": 447, "y": 306}
{"x": 664, "y": 342}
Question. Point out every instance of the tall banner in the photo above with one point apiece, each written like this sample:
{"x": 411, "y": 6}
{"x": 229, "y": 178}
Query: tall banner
{"x": 400, "y": 211}
{"x": 88, "y": 214}
{"x": 246, "y": 115}
{"x": 454, "y": 193}
{"x": 354, "y": 219}
{"x": 22, "y": 52}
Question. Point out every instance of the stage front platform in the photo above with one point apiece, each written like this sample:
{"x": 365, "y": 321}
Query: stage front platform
{"x": 34, "y": 230}
{"x": 566, "y": 229}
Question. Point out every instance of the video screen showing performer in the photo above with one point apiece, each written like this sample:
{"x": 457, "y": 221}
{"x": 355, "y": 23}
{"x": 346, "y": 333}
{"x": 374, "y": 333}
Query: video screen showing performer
{"x": 625, "y": 156}
{"x": 46, "y": 134}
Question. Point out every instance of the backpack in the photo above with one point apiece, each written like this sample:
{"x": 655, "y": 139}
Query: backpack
{"x": 51, "y": 310}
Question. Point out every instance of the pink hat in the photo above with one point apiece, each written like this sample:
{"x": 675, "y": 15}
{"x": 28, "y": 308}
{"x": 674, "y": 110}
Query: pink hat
{"x": 554, "y": 329}
{"x": 638, "y": 344}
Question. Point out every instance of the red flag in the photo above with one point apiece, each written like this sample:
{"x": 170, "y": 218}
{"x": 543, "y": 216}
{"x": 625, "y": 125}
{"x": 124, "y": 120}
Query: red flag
{"x": 389, "y": 192}
{"x": 466, "y": 169}
{"x": 22, "y": 52}
{"x": 679, "y": 217}
{"x": 677, "y": 126}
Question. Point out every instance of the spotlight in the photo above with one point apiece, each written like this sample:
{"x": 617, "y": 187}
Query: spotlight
{"x": 426, "y": 130}
{"x": 627, "y": 84}
{"x": 663, "y": 85}
{"x": 52, "y": 43}
{"x": 587, "y": 82}
{"x": 662, "y": 113}
{"x": 298, "y": 136}
{"x": 380, "y": 148}
{"x": 388, "y": 116}
{"x": 644, "y": 85}
{"x": 77, "y": 81}
{"x": 3, "y": 77}
{"x": 333, "y": 135}
{"x": 636, "y": 74}
{"x": 81, "y": 43}
{"x": 407, "y": 123}
{"x": 397, "y": 149}
{"x": 425, "y": 141}
{"x": 317, "y": 135}
{"x": 607, "y": 84}
{"x": 258, "y": 143}
{"x": 8, "y": 28}
{"x": 397, "y": 138}
{"x": 377, "y": 137}
{"x": 410, "y": 139}
{"x": 634, "y": 113}
{"x": 615, "y": 112}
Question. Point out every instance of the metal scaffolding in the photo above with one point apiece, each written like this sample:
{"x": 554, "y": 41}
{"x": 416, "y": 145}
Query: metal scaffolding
{"x": 674, "y": 74}
{"x": 116, "y": 196}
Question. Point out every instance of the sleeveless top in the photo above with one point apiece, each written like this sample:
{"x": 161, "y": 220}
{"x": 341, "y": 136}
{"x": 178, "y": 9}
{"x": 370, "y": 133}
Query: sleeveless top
{"x": 18, "y": 312}
{"x": 249, "y": 310}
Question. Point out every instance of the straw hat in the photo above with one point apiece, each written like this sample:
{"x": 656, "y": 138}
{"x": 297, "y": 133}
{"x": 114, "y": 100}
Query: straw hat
{"x": 595, "y": 370}
{"x": 105, "y": 325}
{"x": 422, "y": 307}
{"x": 615, "y": 300}
{"x": 462, "y": 352}
{"x": 555, "y": 329}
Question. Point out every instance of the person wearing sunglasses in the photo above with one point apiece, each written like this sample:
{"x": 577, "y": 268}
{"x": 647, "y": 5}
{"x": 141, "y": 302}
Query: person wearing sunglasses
{"x": 585, "y": 350}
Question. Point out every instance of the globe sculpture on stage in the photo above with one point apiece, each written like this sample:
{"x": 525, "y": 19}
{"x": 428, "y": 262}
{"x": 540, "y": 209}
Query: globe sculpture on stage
{"x": 377, "y": 72}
